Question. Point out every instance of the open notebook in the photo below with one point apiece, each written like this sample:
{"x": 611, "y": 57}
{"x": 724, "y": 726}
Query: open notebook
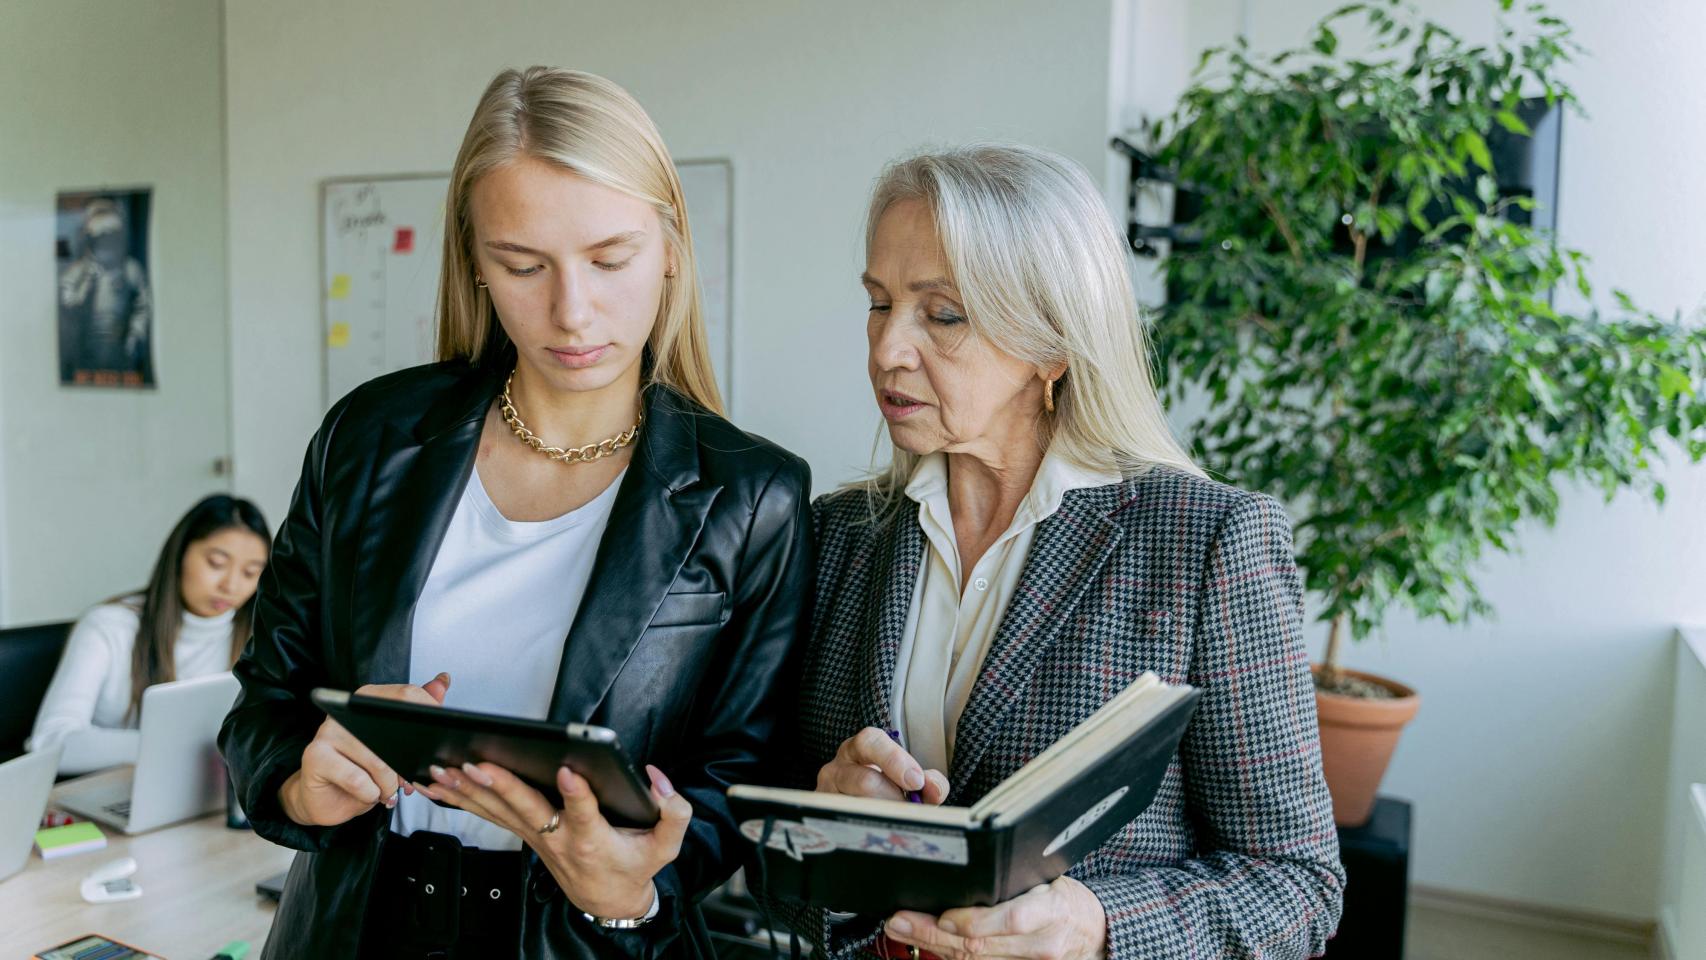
{"x": 878, "y": 856}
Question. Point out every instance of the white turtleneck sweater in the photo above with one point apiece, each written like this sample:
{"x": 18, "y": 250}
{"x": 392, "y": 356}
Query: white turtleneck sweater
{"x": 85, "y": 705}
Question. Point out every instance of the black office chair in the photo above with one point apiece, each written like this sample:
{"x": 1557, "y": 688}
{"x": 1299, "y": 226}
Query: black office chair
{"x": 28, "y": 657}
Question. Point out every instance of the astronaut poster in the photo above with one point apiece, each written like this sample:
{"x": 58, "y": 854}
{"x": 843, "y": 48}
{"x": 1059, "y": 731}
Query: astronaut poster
{"x": 106, "y": 305}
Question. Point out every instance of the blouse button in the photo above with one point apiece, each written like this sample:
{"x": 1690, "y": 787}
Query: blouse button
{"x": 981, "y": 584}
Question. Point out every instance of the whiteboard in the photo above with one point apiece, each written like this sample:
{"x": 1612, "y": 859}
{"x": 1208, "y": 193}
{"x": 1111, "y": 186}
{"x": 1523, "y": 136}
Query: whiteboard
{"x": 382, "y": 244}
{"x": 381, "y": 241}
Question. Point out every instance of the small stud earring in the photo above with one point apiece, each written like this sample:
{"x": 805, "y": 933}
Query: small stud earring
{"x": 670, "y": 272}
{"x": 480, "y": 282}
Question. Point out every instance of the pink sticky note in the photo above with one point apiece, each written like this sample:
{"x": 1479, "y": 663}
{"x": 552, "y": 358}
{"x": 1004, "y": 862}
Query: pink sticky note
{"x": 405, "y": 240}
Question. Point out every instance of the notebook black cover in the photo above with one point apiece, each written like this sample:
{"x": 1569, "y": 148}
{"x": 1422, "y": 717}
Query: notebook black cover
{"x": 877, "y": 865}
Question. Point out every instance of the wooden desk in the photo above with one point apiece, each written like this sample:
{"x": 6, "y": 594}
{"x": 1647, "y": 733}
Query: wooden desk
{"x": 198, "y": 893}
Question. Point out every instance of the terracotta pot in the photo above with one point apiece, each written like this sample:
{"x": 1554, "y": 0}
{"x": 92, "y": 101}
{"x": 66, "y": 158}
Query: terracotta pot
{"x": 1357, "y": 740}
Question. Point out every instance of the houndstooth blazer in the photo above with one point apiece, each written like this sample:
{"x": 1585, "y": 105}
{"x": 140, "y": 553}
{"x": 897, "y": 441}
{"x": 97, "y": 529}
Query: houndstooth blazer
{"x": 1192, "y": 579}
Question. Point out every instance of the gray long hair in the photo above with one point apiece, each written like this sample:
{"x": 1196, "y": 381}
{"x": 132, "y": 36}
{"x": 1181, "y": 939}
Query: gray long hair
{"x": 1043, "y": 273}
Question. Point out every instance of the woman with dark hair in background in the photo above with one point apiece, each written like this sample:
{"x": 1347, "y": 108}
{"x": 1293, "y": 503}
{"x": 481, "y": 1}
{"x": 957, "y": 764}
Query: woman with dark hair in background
{"x": 191, "y": 620}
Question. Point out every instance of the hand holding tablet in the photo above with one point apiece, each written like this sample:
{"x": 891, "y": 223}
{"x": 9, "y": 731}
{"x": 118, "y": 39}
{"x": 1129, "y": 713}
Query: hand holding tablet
{"x": 567, "y": 790}
{"x": 340, "y": 778}
{"x": 407, "y": 738}
{"x": 606, "y": 871}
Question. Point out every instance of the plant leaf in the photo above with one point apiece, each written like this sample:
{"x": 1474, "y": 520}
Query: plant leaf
{"x": 1475, "y": 146}
{"x": 1510, "y": 121}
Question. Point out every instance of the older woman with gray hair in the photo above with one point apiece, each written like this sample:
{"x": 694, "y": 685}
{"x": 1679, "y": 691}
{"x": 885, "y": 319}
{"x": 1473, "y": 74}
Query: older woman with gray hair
{"x": 1038, "y": 541}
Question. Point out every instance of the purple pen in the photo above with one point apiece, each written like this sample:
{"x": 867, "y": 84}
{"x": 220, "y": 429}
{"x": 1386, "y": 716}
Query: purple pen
{"x": 912, "y": 796}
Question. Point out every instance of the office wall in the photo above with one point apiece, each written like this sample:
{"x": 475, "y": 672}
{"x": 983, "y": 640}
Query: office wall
{"x": 96, "y": 94}
{"x": 1538, "y": 760}
{"x": 808, "y": 100}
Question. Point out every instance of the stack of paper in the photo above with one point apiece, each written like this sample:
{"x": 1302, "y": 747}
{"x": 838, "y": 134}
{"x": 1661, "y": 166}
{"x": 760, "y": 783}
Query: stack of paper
{"x": 72, "y": 838}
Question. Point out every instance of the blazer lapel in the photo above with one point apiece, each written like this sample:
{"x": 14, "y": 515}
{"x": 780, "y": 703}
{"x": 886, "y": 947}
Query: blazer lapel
{"x": 1067, "y": 554}
{"x": 654, "y": 524}
{"x": 898, "y": 552}
{"x": 416, "y": 484}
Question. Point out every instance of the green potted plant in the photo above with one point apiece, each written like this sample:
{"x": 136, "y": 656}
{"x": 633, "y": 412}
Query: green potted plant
{"x": 1371, "y": 326}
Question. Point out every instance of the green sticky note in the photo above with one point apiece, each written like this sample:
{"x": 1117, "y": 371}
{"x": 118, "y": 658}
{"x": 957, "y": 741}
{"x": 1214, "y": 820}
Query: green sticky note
{"x": 69, "y": 839}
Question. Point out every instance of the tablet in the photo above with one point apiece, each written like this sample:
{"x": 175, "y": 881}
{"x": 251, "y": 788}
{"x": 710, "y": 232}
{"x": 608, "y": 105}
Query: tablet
{"x": 411, "y": 737}
{"x": 94, "y": 947}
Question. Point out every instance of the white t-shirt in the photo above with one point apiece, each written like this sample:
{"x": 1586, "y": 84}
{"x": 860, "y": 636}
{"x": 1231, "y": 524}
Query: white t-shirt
{"x": 85, "y": 706}
{"x": 494, "y": 613}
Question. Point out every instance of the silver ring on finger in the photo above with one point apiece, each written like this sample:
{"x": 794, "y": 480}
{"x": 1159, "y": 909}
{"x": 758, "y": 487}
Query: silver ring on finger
{"x": 556, "y": 820}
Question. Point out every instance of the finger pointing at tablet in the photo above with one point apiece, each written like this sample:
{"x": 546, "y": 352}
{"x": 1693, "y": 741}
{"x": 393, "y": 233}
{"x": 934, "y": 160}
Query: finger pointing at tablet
{"x": 340, "y": 778}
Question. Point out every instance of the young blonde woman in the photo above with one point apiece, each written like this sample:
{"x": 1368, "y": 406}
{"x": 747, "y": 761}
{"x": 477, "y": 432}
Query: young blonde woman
{"x": 1039, "y": 541}
{"x": 552, "y": 522}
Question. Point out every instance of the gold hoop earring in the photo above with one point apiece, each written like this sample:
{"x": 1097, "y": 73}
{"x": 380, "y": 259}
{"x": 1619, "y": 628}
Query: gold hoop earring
{"x": 670, "y": 273}
{"x": 480, "y": 282}
{"x": 1048, "y": 396}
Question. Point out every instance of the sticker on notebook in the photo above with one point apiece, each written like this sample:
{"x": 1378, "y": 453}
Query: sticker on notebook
{"x": 894, "y": 840}
{"x": 789, "y": 836}
{"x": 1085, "y": 820}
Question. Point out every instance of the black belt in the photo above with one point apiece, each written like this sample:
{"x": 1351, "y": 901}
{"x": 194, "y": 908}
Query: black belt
{"x": 434, "y": 899}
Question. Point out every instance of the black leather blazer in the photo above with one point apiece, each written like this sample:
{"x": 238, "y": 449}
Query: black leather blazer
{"x": 682, "y": 644}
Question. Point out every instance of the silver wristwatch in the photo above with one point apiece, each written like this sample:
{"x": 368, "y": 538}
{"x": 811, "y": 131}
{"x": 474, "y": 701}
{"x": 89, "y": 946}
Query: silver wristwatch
{"x": 632, "y": 923}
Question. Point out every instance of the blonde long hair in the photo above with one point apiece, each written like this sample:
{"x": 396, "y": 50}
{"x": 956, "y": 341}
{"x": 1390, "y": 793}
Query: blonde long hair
{"x": 594, "y": 129}
{"x": 1042, "y": 269}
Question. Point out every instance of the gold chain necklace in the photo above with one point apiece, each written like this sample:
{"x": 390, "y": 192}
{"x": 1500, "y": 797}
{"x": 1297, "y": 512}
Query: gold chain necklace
{"x": 586, "y": 454}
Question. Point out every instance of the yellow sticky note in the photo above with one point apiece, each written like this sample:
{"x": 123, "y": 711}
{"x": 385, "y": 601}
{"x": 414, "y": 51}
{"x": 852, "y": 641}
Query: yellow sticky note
{"x": 340, "y": 286}
{"x": 338, "y": 336}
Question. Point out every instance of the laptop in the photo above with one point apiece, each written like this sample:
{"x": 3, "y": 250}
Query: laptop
{"x": 178, "y": 772}
{"x": 24, "y": 785}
